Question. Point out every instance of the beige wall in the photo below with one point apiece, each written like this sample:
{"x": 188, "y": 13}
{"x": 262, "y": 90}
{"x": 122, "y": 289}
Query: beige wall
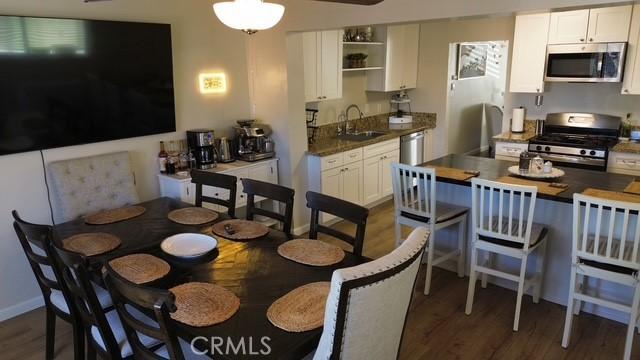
{"x": 200, "y": 43}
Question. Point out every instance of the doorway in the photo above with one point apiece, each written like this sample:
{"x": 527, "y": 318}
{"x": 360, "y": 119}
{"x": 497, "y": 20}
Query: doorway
{"x": 476, "y": 85}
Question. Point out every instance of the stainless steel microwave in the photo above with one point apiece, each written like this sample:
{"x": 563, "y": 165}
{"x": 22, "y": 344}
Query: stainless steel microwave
{"x": 602, "y": 62}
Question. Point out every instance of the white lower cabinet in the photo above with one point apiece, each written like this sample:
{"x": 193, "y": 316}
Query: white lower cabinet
{"x": 624, "y": 163}
{"x": 377, "y": 176}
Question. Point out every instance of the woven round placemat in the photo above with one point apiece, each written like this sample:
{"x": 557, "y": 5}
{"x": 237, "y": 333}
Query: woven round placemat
{"x": 91, "y": 244}
{"x": 203, "y": 304}
{"x": 301, "y": 309}
{"x": 140, "y": 268}
{"x": 114, "y": 215}
{"x": 241, "y": 230}
{"x": 311, "y": 252}
{"x": 193, "y": 216}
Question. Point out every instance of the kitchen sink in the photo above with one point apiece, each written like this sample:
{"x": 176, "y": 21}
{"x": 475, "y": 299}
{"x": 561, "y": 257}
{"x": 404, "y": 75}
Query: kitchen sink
{"x": 361, "y": 136}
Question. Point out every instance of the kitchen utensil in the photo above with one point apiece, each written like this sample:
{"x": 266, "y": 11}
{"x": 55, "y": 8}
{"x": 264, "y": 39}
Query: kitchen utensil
{"x": 539, "y": 126}
{"x": 548, "y": 166}
{"x": 537, "y": 165}
{"x": 525, "y": 161}
{"x": 224, "y": 151}
{"x": 555, "y": 173}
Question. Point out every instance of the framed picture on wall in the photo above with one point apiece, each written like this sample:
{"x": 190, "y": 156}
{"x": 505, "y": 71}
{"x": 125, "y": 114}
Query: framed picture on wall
{"x": 472, "y": 60}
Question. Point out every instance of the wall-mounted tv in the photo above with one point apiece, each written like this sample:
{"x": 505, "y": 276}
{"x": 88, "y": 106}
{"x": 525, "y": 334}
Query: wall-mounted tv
{"x": 67, "y": 82}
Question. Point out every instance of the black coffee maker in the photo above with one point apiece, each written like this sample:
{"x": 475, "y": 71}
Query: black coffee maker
{"x": 201, "y": 142}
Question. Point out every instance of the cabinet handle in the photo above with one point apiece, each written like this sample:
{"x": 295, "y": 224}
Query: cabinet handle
{"x": 331, "y": 161}
{"x": 537, "y": 90}
{"x": 581, "y": 40}
{"x": 625, "y": 90}
{"x": 591, "y": 39}
{"x": 187, "y": 191}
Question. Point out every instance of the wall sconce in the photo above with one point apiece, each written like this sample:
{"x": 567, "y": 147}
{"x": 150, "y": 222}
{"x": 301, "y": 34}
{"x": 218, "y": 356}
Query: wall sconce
{"x": 212, "y": 83}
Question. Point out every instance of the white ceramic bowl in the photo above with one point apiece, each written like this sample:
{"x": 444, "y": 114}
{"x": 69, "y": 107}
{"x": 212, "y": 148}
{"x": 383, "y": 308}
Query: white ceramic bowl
{"x": 188, "y": 244}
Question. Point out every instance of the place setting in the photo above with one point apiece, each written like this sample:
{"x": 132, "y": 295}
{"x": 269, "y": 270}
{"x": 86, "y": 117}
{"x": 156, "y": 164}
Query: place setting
{"x": 534, "y": 171}
{"x": 240, "y": 230}
{"x": 112, "y": 216}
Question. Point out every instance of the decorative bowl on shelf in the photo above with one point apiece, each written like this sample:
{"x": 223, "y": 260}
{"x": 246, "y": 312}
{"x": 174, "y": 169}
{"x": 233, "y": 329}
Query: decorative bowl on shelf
{"x": 553, "y": 174}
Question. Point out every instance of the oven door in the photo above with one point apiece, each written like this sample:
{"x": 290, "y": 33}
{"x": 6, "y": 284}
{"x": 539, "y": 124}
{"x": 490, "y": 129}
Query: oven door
{"x": 582, "y": 162}
{"x": 585, "y": 62}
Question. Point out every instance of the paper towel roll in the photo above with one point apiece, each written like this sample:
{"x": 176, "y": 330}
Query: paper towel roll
{"x": 517, "y": 120}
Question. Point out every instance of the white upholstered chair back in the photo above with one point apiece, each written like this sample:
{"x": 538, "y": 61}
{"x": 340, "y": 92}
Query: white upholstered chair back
{"x": 368, "y": 304}
{"x": 503, "y": 211}
{"x": 86, "y": 185}
{"x": 414, "y": 190}
{"x": 606, "y": 231}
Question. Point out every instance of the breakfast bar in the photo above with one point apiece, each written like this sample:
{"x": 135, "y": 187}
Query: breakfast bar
{"x": 553, "y": 211}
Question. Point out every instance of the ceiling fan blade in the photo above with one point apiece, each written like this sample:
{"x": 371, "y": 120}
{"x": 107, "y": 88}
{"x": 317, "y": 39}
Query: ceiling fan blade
{"x": 357, "y": 2}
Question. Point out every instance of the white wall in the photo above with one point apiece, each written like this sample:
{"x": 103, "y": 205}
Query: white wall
{"x": 200, "y": 43}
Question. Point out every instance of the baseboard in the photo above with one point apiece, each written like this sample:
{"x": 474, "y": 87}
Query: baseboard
{"x": 301, "y": 230}
{"x": 21, "y": 308}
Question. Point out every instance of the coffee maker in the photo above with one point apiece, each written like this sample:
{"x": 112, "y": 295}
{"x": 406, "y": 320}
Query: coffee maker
{"x": 201, "y": 142}
{"x": 253, "y": 142}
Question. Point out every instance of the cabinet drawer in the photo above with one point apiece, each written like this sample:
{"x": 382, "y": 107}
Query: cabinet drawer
{"x": 352, "y": 155}
{"x": 625, "y": 161}
{"x": 331, "y": 161}
{"x": 381, "y": 148}
{"x": 510, "y": 149}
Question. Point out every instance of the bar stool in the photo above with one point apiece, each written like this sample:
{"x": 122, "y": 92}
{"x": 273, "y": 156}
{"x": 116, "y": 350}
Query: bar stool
{"x": 510, "y": 232}
{"x": 414, "y": 194}
{"x": 606, "y": 242}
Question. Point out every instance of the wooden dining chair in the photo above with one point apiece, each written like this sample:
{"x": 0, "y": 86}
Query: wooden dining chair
{"x": 161, "y": 303}
{"x": 356, "y": 214}
{"x": 105, "y": 334}
{"x": 225, "y": 188}
{"x": 36, "y": 241}
{"x": 367, "y": 307}
{"x": 275, "y": 192}
{"x": 606, "y": 246}
{"x": 502, "y": 224}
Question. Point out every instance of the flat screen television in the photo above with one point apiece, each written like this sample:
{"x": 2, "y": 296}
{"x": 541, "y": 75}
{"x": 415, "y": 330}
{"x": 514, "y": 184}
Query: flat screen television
{"x": 67, "y": 82}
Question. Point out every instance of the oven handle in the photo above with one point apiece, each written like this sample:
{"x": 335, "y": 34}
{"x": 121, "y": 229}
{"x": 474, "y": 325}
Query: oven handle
{"x": 572, "y": 159}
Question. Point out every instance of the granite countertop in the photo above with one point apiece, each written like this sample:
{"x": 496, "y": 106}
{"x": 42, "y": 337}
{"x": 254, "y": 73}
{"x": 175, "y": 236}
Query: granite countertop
{"x": 514, "y": 137}
{"x": 332, "y": 145}
{"x": 627, "y": 147}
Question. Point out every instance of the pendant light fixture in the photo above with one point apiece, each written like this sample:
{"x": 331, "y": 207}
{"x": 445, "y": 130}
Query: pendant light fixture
{"x": 248, "y": 15}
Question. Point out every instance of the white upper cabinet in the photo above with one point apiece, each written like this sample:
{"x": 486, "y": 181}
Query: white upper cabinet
{"x": 400, "y": 59}
{"x": 322, "y": 56}
{"x": 631, "y": 83}
{"x": 569, "y": 27}
{"x": 529, "y": 53}
{"x": 610, "y": 24}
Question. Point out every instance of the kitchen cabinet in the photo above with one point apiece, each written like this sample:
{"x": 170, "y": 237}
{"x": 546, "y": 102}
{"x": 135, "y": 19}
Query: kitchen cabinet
{"x": 529, "y": 53}
{"x": 400, "y": 59}
{"x": 510, "y": 151}
{"x": 377, "y": 170}
{"x": 609, "y": 24}
{"x": 343, "y": 182}
{"x": 322, "y": 58}
{"x": 631, "y": 83}
{"x": 624, "y": 163}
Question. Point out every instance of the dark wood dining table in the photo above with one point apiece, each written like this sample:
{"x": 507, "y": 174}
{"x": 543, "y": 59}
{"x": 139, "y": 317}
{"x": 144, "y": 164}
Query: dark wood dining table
{"x": 253, "y": 270}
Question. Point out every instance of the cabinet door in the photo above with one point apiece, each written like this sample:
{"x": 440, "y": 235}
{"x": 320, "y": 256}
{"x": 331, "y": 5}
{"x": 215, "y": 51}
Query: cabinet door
{"x": 188, "y": 193}
{"x": 609, "y": 24}
{"x": 529, "y": 53}
{"x": 385, "y": 172}
{"x": 332, "y": 186}
{"x": 331, "y": 64}
{"x": 394, "y": 71}
{"x": 569, "y": 27}
{"x": 372, "y": 186}
{"x": 631, "y": 84}
{"x": 352, "y": 179}
{"x": 311, "y": 58}
{"x": 410, "y": 54}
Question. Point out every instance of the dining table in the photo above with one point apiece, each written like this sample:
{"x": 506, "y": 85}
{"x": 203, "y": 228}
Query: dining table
{"x": 253, "y": 270}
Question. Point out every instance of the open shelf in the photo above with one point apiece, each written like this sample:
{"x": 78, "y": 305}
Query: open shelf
{"x": 361, "y": 43}
{"x": 363, "y": 69}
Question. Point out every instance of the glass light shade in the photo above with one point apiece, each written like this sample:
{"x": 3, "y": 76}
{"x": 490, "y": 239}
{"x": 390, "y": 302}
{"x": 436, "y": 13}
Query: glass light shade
{"x": 248, "y": 15}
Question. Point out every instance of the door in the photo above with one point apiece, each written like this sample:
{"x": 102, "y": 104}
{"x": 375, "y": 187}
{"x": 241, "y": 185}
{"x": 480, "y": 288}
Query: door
{"x": 569, "y": 27}
{"x": 331, "y": 64}
{"x": 410, "y": 54}
{"x": 385, "y": 172}
{"x": 372, "y": 184}
{"x": 352, "y": 179}
{"x": 529, "y": 53}
{"x": 332, "y": 186}
{"x": 631, "y": 84}
{"x": 311, "y": 58}
{"x": 609, "y": 24}
{"x": 395, "y": 57}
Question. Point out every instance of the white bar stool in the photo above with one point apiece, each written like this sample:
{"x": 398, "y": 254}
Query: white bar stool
{"x": 509, "y": 232}
{"x": 414, "y": 194}
{"x": 606, "y": 237}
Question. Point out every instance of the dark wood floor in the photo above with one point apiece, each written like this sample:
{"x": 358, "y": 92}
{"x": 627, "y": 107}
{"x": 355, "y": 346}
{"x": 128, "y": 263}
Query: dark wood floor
{"x": 437, "y": 327}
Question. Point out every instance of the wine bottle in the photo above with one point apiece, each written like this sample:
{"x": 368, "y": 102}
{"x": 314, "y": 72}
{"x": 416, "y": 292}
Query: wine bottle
{"x": 162, "y": 158}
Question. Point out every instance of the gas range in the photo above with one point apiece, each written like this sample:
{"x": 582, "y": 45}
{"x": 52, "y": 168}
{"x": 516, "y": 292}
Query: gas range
{"x": 577, "y": 139}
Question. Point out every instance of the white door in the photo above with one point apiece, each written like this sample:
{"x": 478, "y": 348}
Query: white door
{"x": 331, "y": 64}
{"x": 410, "y": 54}
{"x": 569, "y": 27}
{"x": 352, "y": 179}
{"x": 395, "y": 58}
{"x": 529, "y": 53}
{"x": 631, "y": 84}
{"x": 609, "y": 24}
{"x": 311, "y": 58}
{"x": 332, "y": 186}
{"x": 372, "y": 185}
{"x": 385, "y": 172}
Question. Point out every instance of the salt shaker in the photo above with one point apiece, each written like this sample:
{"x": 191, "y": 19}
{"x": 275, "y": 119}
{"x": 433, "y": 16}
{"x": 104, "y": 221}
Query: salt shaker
{"x": 548, "y": 167}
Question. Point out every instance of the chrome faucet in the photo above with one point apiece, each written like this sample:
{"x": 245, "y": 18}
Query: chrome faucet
{"x": 347, "y": 126}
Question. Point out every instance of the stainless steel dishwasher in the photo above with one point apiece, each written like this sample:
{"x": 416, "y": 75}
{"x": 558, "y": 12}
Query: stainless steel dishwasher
{"x": 412, "y": 148}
